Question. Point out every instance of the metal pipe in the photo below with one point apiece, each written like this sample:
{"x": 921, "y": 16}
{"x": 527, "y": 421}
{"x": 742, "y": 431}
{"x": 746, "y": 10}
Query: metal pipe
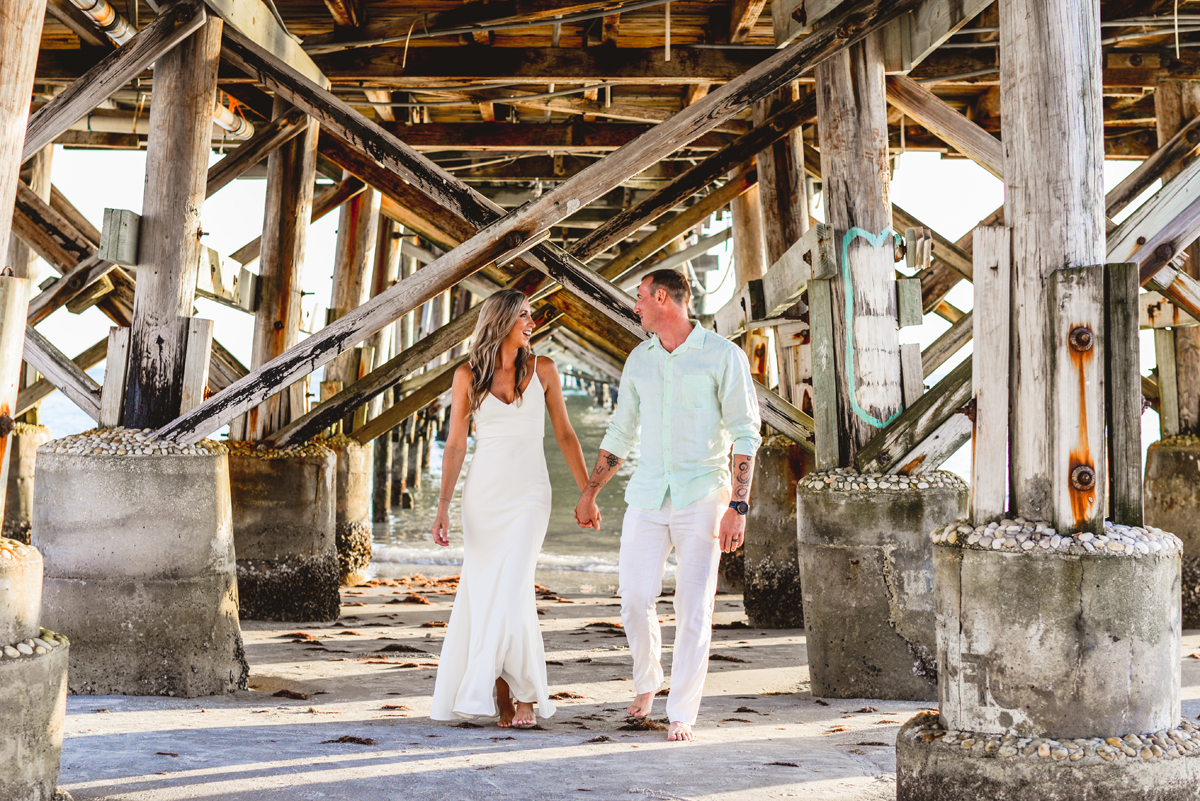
{"x": 118, "y": 29}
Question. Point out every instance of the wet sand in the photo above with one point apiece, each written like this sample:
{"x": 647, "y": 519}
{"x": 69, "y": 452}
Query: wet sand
{"x": 363, "y": 732}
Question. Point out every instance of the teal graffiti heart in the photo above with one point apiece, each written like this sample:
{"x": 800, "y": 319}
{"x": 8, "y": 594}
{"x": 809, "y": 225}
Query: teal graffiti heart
{"x": 876, "y": 241}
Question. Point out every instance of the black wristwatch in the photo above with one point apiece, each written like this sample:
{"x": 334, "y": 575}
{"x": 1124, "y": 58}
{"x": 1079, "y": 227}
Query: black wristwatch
{"x": 741, "y": 507}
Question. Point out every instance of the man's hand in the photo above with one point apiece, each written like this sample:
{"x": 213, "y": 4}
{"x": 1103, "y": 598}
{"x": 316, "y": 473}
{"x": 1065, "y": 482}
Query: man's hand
{"x": 587, "y": 514}
{"x": 733, "y": 531}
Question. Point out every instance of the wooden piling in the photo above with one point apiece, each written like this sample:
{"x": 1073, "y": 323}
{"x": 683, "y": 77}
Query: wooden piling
{"x": 177, "y": 154}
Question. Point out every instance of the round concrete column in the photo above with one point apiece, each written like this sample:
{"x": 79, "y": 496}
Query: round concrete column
{"x": 138, "y": 546}
{"x": 1172, "y": 501}
{"x": 355, "y": 463}
{"x": 772, "y": 568}
{"x": 1057, "y": 640}
{"x": 867, "y": 580}
{"x": 283, "y": 532}
{"x": 33, "y": 675}
{"x": 22, "y": 460}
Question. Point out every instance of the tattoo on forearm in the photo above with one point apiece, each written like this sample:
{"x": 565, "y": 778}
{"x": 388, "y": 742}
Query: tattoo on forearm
{"x": 613, "y": 460}
{"x": 743, "y": 473}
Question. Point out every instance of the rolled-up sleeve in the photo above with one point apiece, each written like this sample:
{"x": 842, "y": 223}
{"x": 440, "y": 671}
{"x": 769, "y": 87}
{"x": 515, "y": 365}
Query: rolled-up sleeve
{"x": 739, "y": 404}
{"x": 625, "y": 425}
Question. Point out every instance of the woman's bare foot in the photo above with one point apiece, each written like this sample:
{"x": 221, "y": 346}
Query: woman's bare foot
{"x": 504, "y": 702}
{"x": 640, "y": 707}
{"x": 678, "y": 730}
{"x": 524, "y": 718}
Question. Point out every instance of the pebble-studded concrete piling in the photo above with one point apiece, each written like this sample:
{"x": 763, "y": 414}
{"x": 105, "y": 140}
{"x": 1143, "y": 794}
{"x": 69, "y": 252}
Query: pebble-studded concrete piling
{"x": 867, "y": 580}
{"x": 353, "y": 493}
{"x": 771, "y": 588}
{"x": 1172, "y": 501}
{"x": 138, "y": 546}
{"x": 283, "y": 531}
{"x": 33, "y": 680}
{"x": 22, "y": 461}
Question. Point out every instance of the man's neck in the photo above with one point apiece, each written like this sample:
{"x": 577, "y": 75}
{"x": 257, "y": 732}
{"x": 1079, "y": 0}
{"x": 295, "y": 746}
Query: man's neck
{"x": 672, "y": 335}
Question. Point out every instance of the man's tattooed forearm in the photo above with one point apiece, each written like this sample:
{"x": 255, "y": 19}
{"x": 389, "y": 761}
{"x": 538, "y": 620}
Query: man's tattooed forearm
{"x": 743, "y": 473}
{"x": 613, "y": 460}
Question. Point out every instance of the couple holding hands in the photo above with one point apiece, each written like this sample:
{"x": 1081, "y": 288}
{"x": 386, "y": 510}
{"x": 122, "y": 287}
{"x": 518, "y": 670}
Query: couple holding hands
{"x": 688, "y": 395}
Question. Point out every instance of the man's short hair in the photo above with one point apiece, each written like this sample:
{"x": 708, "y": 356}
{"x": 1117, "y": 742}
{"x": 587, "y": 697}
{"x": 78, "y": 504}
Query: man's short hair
{"x": 673, "y": 283}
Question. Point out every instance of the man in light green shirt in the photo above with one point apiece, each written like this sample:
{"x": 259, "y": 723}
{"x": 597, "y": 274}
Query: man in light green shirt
{"x": 689, "y": 395}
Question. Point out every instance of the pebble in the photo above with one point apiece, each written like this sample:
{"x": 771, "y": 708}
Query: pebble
{"x": 843, "y": 479}
{"x": 1153, "y": 746}
{"x": 127, "y": 442}
{"x": 1022, "y": 535}
{"x": 260, "y": 450}
{"x": 44, "y": 643}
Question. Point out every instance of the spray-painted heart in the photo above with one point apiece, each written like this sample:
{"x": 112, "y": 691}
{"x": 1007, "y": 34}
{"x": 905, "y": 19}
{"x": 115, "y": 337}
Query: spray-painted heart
{"x": 876, "y": 241}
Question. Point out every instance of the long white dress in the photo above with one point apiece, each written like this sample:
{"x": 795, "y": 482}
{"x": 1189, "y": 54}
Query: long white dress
{"x": 494, "y": 631}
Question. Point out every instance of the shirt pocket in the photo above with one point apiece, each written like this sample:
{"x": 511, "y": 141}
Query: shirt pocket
{"x": 699, "y": 392}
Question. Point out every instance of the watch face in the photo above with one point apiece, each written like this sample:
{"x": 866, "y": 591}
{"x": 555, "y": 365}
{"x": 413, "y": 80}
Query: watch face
{"x": 741, "y": 507}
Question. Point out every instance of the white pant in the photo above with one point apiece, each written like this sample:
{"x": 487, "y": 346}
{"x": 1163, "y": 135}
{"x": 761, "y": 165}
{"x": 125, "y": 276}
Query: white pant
{"x": 646, "y": 539}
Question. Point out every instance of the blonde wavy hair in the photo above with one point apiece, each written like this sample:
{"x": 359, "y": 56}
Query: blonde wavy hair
{"x": 497, "y": 316}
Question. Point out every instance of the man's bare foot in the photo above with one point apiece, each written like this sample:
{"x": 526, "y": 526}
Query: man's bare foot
{"x": 640, "y": 707}
{"x": 524, "y": 718}
{"x": 678, "y": 730}
{"x": 504, "y": 702}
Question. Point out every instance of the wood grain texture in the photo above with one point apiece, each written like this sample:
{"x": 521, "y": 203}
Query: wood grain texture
{"x": 824, "y": 374}
{"x": 1051, "y": 103}
{"x": 1168, "y": 393}
{"x": 112, "y": 391}
{"x": 947, "y": 124}
{"x": 782, "y": 194}
{"x": 1123, "y": 394}
{"x": 196, "y": 361}
{"x": 175, "y": 24}
{"x": 852, "y": 121}
{"x": 992, "y": 334}
{"x": 354, "y": 258}
{"x": 265, "y": 141}
{"x": 63, "y": 373}
{"x": 30, "y": 396}
{"x": 949, "y": 343}
{"x": 176, "y": 171}
{"x": 911, "y": 377}
{"x": 330, "y": 199}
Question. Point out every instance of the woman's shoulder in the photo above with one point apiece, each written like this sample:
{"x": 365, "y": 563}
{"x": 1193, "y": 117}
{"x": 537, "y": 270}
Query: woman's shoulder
{"x": 545, "y": 366}
{"x": 464, "y": 372}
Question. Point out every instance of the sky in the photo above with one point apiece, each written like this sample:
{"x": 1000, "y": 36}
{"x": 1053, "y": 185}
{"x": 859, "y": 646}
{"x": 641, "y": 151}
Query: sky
{"x": 949, "y": 195}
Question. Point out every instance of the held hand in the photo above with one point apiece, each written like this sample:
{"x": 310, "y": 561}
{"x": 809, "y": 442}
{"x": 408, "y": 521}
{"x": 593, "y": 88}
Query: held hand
{"x": 587, "y": 514}
{"x": 441, "y": 528}
{"x": 733, "y": 531}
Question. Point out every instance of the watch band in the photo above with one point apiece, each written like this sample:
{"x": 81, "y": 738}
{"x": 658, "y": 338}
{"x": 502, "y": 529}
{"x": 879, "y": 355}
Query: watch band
{"x": 741, "y": 507}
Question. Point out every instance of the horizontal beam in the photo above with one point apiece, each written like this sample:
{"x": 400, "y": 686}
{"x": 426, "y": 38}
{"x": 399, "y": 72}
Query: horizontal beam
{"x": 540, "y": 137}
{"x": 253, "y": 19}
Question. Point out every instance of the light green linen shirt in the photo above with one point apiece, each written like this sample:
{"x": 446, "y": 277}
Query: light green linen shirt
{"x": 690, "y": 406}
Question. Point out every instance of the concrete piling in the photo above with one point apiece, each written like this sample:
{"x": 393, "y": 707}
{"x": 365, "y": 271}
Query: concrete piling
{"x": 283, "y": 528}
{"x": 139, "y": 564}
{"x": 353, "y": 506}
{"x": 867, "y": 580}
{"x": 772, "y": 568}
{"x": 1172, "y": 502}
{"x": 22, "y": 462}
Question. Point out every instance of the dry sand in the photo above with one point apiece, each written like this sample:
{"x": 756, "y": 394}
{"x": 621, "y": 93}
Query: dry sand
{"x": 364, "y": 731}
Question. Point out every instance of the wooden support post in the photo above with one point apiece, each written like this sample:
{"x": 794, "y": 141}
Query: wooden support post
{"x": 195, "y": 363}
{"x": 1123, "y": 394}
{"x": 989, "y": 379}
{"x": 824, "y": 373}
{"x": 912, "y": 379}
{"x": 290, "y": 173}
{"x": 749, "y": 243}
{"x": 1168, "y": 392}
{"x": 176, "y": 169}
{"x": 385, "y": 273}
{"x": 1176, "y": 102}
{"x": 112, "y": 393}
{"x": 853, "y": 128}
{"x": 1051, "y": 103}
{"x": 353, "y": 262}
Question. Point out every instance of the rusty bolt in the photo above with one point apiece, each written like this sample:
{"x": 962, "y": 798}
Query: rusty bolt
{"x": 1083, "y": 477}
{"x": 885, "y": 458}
{"x": 1164, "y": 251}
{"x": 1141, "y": 240}
{"x": 278, "y": 325}
{"x": 7, "y": 424}
{"x": 1135, "y": 60}
{"x": 514, "y": 239}
{"x": 1080, "y": 338}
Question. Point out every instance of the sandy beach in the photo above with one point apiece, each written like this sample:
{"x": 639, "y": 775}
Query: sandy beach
{"x": 342, "y": 712}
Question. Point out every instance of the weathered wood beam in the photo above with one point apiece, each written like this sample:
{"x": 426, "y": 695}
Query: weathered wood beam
{"x": 329, "y": 200}
{"x": 63, "y": 373}
{"x": 39, "y": 390}
{"x": 346, "y": 13}
{"x": 949, "y": 343}
{"x": 947, "y": 124}
{"x": 168, "y": 29}
{"x": 73, "y": 282}
{"x": 886, "y": 451}
{"x": 560, "y": 137}
{"x": 1180, "y": 146}
{"x": 265, "y": 141}
{"x": 610, "y": 29}
{"x": 743, "y": 15}
{"x": 629, "y": 259}
{"x": 703, "y": 174}
{"x": 991, "y": 321}
{"x": 254, "y": 20}
{"x": 47, "y": 232}
{"x": 735, "y": 96}
{"x": 1123, "y": 394}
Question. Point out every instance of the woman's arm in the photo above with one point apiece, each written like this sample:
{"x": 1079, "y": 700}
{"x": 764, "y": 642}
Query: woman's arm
{"x": 454, "y": 451}
{"x": 564, "y": 433}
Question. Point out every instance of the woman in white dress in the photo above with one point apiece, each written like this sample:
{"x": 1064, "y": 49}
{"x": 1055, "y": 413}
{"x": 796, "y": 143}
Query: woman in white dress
{"x": 493, "y": 655}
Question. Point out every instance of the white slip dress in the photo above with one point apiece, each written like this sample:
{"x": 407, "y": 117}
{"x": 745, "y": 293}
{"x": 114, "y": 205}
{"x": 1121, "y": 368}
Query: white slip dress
{"x": 494, "y": 631}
